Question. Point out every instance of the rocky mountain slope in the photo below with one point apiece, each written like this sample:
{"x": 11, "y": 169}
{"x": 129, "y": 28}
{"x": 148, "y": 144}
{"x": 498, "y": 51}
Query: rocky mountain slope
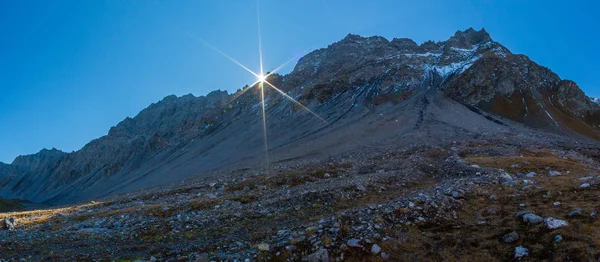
{"x": 369, "y": 90}
{"x": 456, "y": 150}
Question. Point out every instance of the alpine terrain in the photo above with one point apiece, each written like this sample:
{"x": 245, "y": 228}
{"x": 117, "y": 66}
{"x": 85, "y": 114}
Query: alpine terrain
{"x": 448, "y": 150}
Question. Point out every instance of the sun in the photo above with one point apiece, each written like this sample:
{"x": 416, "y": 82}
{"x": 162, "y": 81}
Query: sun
{"x": 261, "y": 81}
{"x": 261, "y": 78}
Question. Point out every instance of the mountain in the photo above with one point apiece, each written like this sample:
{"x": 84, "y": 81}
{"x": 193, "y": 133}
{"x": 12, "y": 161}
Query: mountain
{"x": 371, "y": 91}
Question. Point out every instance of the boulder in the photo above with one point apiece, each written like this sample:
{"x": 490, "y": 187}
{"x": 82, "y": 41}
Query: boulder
{"x": 354, "y": 243}
{"x": 575, "y": 213}
{"x": 321, "y": 255}
{"x": 511, "y": 237}
{"x": 375, "y": 249}
{"x": 532, "y": 219}
{"x": 264, "y": 247}
{"x": 554, "y": 173}
{"x": 521, "y": 252}
{"x": 523, "y": 212}
{"x": 9, "y": 223}
{"x": 558, "y": 239}
{"x": 553, "y": 223}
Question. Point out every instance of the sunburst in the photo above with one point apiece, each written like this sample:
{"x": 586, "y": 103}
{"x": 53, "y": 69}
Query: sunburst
{"x": 261, "y": 82}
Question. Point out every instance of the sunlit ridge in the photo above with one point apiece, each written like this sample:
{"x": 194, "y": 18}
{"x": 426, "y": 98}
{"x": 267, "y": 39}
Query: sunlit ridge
{"x": 261, "y": 81}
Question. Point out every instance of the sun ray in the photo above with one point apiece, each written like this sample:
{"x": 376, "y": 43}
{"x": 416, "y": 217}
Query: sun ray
{"x": 296, "y": 102}
{"x": 296, "y": 57}
{"x": 244, "y": 91}
{"x": 264, "y": 120}
{"x": 260, "y": 55}
{"x": 222, "y": 53}
{"x": 261, "y": 80}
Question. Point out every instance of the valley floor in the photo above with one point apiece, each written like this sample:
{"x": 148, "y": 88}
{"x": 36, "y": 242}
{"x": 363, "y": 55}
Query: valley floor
{"x": 477, "y": 201}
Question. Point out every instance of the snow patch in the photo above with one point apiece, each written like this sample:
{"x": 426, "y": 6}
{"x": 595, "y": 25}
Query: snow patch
{"x": 526, "y": 108}
{"x": 463, "y": 50}
{"x": 550, "y": 116}
{"x": 424, "y": 55}
{"x": 547, "y": 113}
{"x": 453, "y": 68}
{"x": 428, "y": 54}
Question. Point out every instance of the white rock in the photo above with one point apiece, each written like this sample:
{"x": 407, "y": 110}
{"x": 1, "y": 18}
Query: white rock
{"x": 585, "y": 185}
{"x": 264, "y": 247}
{"x": 520, "y": 252}
{"x": 505, "y": 177}
{"x": 375, "y": 249}
{"x": 553, "y": 223}
{"x": 9, "y": 223}
{"x": 554, "y": 173}
{"x": 354, "y": 243}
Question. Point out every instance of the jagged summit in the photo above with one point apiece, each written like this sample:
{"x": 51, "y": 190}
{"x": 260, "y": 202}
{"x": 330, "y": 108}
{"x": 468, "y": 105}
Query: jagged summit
{"x": 405, "y": 44}
{"x": 461, "y": 39}
{"x": 48, "y": 155}
{"x": 369, "y": 89}
{"x": 468, "y": 38}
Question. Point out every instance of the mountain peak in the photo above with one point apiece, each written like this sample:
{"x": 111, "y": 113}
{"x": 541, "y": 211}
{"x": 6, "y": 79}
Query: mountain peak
{"x": 43, "y": 155}
{"x": 352, "y": 38}
{"x": 468, "y": 38}
{"x": 404, "y": 44}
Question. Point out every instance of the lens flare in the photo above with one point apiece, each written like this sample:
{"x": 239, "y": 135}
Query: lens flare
{"x": 264, "y": 122}
{"x": 261, "y": 81}
{"x": 295, "y": 102}
{"x": 262, "y": 78}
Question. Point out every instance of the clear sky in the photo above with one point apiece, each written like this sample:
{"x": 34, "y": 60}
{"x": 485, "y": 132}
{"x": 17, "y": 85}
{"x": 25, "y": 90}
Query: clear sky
{"x": 69, "y": 70}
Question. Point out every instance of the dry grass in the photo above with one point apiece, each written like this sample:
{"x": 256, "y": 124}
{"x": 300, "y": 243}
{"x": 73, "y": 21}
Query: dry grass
{"x": 464, "y": 239}
{"x": 290, "y": 178}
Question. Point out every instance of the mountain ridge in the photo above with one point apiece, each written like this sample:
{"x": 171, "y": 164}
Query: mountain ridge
{"x": 407, "y": 43}
{"x": 355, "y": 72}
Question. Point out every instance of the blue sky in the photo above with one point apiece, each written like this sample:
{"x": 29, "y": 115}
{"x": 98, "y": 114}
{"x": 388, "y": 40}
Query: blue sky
{"x": 69, "y": 70}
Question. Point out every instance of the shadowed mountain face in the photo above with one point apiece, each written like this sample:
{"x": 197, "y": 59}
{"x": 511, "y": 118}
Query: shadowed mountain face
{"x": 371, "y": 91}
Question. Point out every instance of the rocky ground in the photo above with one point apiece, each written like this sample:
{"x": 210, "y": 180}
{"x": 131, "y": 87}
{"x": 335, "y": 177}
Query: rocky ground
{"x": 483, "y": 201}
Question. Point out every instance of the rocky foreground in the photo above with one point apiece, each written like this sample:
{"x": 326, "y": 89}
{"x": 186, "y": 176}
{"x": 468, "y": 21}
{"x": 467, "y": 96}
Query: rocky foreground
{"x": 486, "y": 201}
